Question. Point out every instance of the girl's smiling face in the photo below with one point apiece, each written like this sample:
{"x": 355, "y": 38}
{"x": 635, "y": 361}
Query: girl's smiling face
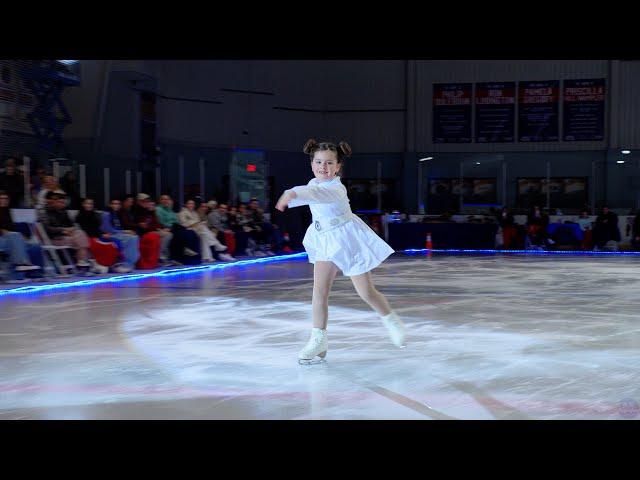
{"x": 325, "y": 165}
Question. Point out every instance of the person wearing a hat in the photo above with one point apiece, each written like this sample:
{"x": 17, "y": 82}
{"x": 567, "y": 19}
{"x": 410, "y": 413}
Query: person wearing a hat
{"x": 49, "y": 185}
{"x": 189, "y": 218}
{"x": 154, "y": 238}
{"x": 62, "y": 230}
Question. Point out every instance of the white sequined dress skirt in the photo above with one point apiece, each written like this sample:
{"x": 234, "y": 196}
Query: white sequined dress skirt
{"x": 351, "y": 245}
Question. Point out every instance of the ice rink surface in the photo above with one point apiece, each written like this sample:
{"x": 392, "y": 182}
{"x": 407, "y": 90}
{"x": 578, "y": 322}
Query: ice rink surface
{"x": 488, "y": 337}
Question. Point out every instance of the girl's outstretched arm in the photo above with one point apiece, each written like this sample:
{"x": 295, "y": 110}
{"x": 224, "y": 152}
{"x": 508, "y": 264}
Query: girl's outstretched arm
{"x": 285, "y": 198}
{"x": 307, "y": 194}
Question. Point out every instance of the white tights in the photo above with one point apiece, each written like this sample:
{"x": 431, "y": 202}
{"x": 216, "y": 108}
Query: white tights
{"x": 324, "y": 273}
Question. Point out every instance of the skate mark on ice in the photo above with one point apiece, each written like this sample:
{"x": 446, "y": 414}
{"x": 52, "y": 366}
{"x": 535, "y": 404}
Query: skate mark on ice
{"x": 500, "y": 410}
{"x": 395, "y": 396}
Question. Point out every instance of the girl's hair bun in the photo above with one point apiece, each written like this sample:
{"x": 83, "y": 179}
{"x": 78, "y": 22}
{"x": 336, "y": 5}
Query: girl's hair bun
{"x": 342, "y": 150}
{"x": 310, "y": 147}
{"x": 345, "y": 148}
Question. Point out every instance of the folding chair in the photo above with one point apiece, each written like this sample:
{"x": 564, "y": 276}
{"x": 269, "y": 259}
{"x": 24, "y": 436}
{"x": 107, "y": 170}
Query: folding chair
{"x": 5, "y": 271}
{"x": 52, "y": 254}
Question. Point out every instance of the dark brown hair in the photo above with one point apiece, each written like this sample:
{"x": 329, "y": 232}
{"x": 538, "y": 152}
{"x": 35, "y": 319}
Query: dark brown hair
{"x": 342, "y": 149}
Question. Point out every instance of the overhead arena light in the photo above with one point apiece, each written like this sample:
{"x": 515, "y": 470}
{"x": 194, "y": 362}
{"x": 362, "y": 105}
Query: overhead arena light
{"x": 425, "y": 159}
{"x": 620, "y": 161}
{"x": 626, "y": 152}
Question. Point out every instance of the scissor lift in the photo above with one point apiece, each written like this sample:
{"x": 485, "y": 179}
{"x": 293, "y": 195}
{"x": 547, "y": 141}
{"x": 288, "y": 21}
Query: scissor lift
{"x": 46, "y": 80}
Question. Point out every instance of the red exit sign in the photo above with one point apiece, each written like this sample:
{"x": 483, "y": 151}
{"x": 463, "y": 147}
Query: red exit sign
{"x": 251, "y": 167}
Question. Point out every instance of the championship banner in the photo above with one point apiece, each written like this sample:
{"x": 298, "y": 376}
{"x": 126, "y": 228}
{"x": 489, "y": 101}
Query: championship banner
{"x": 452, "y": 112}
{"x": 495, "y": 112}
{"x": 583, "y": 117}
{"x": 538, "y": 107}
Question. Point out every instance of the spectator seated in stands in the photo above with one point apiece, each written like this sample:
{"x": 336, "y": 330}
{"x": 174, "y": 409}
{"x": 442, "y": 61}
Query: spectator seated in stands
{"x": 127, "y": 240}
{"x": 185, "y": 246}
{"x": 584, "y": 221}
{"x": 69, "y": 184}
{"x": 127, "y": 219}
{"x": 149, "y": 227}
{"x": 565, "y": 236}
{"x": 105, "y": 250}
{"x": 37, "y": 181}
{"x": 244, "y": 243}
{"x": 88, "y": 219}
{"x": 246, "y": 232}
{"x": 49, "y": 185}
{"x": 509, "y": 229}
{"x": 60, "y": 228}
{"x": 233, "y": 213}
{"x": 12, "y": 183}
{"x": 203, "y": 212}
{"x": 219, "y": 222}
{"x": 586, "y": 225}
{"x": 189, "y": 218}
{"x": 606, "y": 232}
{"x": 635, "y": 232}
{"x": 149, "y": 242}
{"x": 537, "y": 223}
{"x": 268, "y": 234}
{"x": 281, "y": 225}
{"x": 12, "y": 243}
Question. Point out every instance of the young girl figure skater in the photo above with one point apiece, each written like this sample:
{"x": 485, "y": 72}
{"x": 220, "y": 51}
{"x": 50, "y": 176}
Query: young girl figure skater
{"x": 337, "y": 240}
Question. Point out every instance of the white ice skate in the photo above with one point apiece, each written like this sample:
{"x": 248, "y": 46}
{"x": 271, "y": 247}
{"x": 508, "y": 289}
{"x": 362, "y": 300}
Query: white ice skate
{"x": 97, "y": 268}
{"x": 315, "y": 347}
{"x": 396, "y": 329}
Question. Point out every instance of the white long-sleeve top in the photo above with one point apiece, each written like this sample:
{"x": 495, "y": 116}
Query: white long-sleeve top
{"x": 188, "y": 218}
{"x": 325, "y": 199}
{"x": 350, "y": 244}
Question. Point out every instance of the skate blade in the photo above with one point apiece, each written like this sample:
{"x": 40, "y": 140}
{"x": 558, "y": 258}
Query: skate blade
{"x": 314, "y": 361}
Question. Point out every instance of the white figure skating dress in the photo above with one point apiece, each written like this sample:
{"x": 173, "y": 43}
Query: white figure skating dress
{"x": 336, "y": 234}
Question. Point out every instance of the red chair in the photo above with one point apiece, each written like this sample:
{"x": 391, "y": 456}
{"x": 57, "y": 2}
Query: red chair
{"x": 587, "y": 242}
{"x": 105, "y": 253}
{"x": 230, "y": 240}
{"x": 509, "y": 237}
{"x": 149, "y": 251}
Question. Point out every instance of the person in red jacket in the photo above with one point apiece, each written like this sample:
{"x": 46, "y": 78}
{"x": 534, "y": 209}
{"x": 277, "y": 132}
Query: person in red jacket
{"x": 148, "y": 226}
{"x": 105, "y": 250}
{"x": 635, "y": 233}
